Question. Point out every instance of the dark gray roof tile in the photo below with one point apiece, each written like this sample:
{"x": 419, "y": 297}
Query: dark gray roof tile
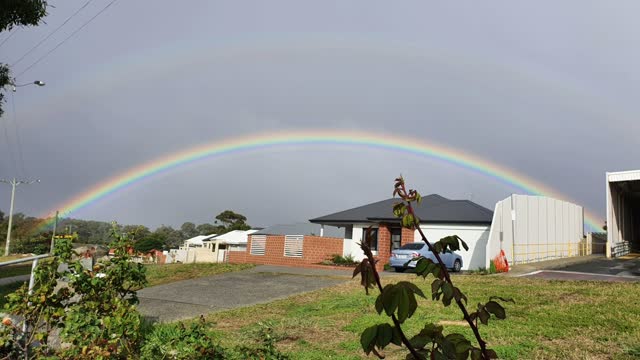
{"x": 433, "y": 209}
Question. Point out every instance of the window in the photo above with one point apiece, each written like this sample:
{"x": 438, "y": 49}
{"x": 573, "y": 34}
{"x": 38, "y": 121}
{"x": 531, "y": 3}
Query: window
{"x": 348, "y": 232}
{"x": 396, "y": 238}
{"x": 258, "y": 243}
{"x": 374, "y": 238}
{"x": 413, "y": 246}
{"x": 293, "y": 245}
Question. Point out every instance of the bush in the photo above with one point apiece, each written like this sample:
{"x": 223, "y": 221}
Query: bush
{"x": 337, "y": 259}
{"x": 195, "y": 342}
{"x": 178, "y": 342}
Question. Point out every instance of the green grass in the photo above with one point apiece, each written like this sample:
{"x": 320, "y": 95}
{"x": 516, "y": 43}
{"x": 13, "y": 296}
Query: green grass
{"x": 8, "y": 289}
{"x": 551, "y": 319}
{"x": 162, "y": 274}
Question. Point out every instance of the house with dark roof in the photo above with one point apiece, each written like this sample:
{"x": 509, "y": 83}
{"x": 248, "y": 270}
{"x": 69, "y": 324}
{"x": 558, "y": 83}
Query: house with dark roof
{"x": 309, "y": 244}
{"x": 439, "y": 217}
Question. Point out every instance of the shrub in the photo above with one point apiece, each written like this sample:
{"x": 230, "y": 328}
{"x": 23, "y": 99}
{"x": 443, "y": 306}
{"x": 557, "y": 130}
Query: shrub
{"x": 181, "y": 342}
{"x": 337, "y": 259}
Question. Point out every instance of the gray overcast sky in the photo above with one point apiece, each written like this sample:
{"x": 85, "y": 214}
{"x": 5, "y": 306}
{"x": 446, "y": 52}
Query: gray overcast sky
{"x": 545, "y": 88}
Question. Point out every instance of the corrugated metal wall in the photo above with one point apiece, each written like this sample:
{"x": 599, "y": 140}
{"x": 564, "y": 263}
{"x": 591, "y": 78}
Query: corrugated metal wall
{"x": 535, "y": 228}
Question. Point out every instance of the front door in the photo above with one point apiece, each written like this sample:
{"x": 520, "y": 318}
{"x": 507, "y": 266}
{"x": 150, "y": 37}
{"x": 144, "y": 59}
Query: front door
{"x": 396, "y": 238}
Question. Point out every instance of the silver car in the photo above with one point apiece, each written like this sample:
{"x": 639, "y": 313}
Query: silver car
{"x": 404, "y": 254}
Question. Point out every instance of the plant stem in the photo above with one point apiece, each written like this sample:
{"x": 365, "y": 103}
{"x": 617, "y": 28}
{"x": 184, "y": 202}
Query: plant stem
{"x": 443, "y": 268}
{"x": 483, "y": 346}
{"x": 397, "y": 324}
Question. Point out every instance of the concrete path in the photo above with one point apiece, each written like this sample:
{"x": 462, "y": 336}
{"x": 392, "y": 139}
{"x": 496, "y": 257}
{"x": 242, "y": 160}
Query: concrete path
{"x": 520, "y": 269}
{"x": 191, "y": 298}
{"x": 592, "y": 268}
{"x": 579, "y": 276}
{"x": 12, "y": 279}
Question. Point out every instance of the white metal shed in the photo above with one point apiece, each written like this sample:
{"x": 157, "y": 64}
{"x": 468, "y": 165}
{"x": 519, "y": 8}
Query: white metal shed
{"x": 623, "y": 212}
{"x": 536, "y": 228}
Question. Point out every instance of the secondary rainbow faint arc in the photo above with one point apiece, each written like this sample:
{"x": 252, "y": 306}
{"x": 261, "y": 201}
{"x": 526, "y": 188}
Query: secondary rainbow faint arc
{"x": 309, "y": 137}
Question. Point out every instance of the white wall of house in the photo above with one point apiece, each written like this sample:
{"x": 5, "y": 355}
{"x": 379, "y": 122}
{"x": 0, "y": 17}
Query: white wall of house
{"x": 351, "y": 246}
{"x": 476, "y": 237}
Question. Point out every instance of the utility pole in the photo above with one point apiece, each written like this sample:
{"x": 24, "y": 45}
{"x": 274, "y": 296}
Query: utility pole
{"x": 53, "y": 236}
{"x": 13, "y": 182}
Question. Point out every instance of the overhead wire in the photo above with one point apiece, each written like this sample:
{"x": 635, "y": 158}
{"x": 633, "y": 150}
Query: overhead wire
{"x": 13, "y": 32}
{"x": 52, "y": 32}
{"x": 67, "y": 38}
{"x": 12, "y": 159}
{"x": 16, "y": 129}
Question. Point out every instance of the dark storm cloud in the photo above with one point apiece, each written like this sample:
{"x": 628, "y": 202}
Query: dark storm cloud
{"x": 538, "y": 89}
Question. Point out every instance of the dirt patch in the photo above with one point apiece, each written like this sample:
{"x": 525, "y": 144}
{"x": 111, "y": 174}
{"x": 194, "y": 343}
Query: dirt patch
{"x": 453, "y": 323}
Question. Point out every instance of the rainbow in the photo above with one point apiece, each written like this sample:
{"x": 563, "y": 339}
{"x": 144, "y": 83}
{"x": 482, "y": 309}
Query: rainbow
{"x": 259, "y": 141}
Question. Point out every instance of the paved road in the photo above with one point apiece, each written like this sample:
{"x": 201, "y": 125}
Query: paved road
{"x": 577, "y": 276}
{"x": 623, "y": 269}
{"x": 191, "y": 298}
{"x": 624, "y": 266}
{"x": 12, "y": 279}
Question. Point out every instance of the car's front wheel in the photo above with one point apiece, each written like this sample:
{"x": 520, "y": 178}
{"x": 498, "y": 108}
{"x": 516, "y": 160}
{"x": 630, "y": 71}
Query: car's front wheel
{"x": 399, "y": 269}
{"x": 457, "y": 266}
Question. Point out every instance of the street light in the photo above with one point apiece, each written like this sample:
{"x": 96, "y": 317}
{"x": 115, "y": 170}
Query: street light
{"x": 37, "y": 82}
{"x": 13, "y": 182}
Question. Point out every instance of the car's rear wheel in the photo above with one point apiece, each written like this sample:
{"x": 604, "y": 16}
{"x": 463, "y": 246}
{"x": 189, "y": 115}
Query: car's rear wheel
{"x": 399, "y": 269}
{"x": 457, "y": 266}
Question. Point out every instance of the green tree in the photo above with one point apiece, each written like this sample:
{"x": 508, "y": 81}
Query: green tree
{"x": 172, "y": 237}
{"x": 232, "y": 221}
{"x": 188, "y": 230}
{"x": 136, "y": 231}
{"x": 17, "y": 13}
{"x": 206, "y": 229}
{"x": 151, "y": 242}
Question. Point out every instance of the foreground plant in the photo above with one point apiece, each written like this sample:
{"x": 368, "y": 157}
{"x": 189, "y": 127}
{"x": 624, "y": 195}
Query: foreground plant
{"x": 398, "y": 301}
{"x": 93, "y": 313}
{"x": 92, "y": 310}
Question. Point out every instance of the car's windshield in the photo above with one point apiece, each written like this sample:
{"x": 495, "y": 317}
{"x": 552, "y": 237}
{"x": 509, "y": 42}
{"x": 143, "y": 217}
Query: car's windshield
{"x": 412, "y": 246}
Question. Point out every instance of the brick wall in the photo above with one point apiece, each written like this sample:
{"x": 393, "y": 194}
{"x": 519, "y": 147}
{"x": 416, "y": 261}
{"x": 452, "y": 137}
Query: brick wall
{"x": 408, "y": 236}
{"x": 384, "y": 243}
{"x": 315, "y": 249}
{"x": 236, "y": 257}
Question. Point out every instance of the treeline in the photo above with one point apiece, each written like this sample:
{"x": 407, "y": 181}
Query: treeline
{"x": 27, "y": 238}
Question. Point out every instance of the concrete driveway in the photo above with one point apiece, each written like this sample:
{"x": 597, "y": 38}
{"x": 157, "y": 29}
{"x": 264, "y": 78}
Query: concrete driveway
{"x": 626, "y": 268}
{"x": 191, "y": 298}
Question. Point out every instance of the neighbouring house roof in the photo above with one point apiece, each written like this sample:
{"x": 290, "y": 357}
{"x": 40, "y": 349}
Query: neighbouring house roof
{"x": 433, "y": 209}
{"x": 234, "y": 237}
{"x": 197, "y": 240}
{"x": 301, "y": 229}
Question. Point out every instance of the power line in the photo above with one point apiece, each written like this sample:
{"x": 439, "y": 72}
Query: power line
{"x": 17, "y": 132}
{"x": 9, "y": 37}
{"x": 12, "y": 158}
{"x": 67, "y": 38}
{"x": 52, "y": 32}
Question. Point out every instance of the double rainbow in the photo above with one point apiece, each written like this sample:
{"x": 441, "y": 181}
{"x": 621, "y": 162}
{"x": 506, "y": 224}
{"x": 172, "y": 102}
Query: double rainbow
{"x": 310, "y": 137}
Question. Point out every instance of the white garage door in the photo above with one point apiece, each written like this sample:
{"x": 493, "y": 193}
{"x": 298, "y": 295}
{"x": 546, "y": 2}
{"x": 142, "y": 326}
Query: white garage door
{"x": 475, "y": 236}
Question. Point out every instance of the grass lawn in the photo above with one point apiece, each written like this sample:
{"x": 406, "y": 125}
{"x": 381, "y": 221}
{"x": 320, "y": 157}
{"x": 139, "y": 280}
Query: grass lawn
{"x": 162, "y": 274}
{"x": 551, "y": 319}
{"x": 6, "y": 290}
